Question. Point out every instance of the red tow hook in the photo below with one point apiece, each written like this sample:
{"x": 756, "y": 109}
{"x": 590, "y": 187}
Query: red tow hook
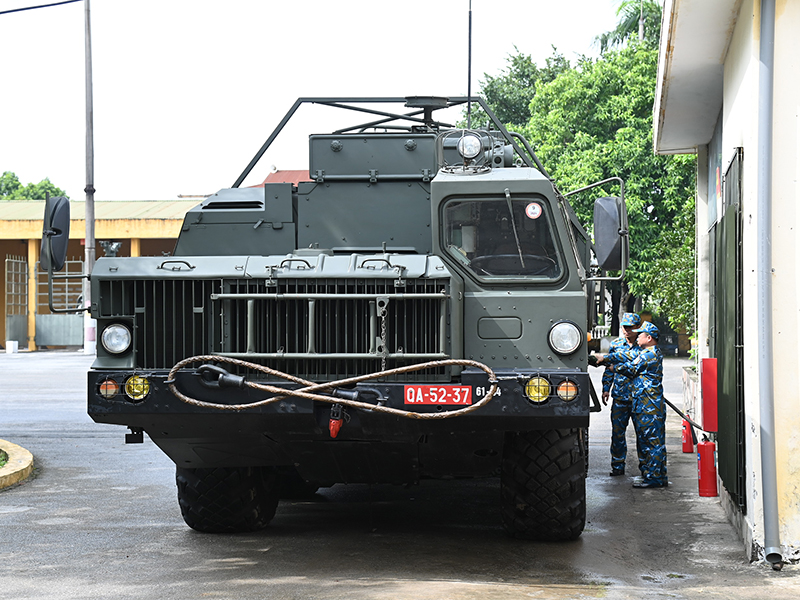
{"x": 336, "y": 420}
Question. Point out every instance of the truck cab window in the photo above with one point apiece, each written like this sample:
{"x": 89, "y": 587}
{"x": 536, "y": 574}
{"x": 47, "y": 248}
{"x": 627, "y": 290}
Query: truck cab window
{"x": 495, "y": 243}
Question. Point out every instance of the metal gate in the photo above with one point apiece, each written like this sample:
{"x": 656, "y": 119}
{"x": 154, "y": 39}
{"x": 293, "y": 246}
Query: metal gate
{"x": 17, "y": 299}
{"x": 59, "y": 329}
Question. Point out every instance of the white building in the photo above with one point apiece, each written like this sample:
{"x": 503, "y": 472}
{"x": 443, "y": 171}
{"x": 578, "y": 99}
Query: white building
{"x": 729, "y": 90}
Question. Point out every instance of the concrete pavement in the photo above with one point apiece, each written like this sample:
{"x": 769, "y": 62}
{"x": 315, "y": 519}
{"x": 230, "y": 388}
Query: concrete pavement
{"x": 101, "y": 520}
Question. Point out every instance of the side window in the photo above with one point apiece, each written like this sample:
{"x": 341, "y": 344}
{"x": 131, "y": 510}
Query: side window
{"x": 495, "y": 243}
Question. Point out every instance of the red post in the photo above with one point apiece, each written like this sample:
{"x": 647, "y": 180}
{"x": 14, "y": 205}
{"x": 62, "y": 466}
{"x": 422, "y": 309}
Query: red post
{"x": 707, "y": 468}
{"x": 708, "y": 385}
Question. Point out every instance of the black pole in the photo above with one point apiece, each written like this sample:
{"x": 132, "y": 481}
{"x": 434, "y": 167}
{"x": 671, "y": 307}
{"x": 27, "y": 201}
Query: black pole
{"x": 469, "y": 71}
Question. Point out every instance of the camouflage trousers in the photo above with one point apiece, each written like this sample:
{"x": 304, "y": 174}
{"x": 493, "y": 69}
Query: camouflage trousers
{"x": 620, "y": 416}
{"x": 650, "y": 432}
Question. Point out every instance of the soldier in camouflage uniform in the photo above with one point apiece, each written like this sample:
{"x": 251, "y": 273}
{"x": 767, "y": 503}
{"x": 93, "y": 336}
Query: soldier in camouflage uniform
{"x": 619, "y": 388}
{"x": 649, "y": 416}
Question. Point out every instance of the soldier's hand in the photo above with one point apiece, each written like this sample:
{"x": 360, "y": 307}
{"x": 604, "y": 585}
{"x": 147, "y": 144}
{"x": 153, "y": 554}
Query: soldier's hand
{"x": 605, "y": 398}
{"x": 592, "y": 360}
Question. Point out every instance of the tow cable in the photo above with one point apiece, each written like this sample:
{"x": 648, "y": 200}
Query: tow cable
{"x": 338, "y": 398}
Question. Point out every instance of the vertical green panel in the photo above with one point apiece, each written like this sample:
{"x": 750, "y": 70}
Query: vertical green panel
{"x": 728, "y": 345}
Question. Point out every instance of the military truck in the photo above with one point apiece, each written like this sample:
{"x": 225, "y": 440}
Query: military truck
{"x": 418, "y": 308}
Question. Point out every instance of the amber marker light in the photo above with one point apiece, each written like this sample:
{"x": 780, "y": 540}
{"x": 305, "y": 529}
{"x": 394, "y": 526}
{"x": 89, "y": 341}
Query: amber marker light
{"x": 567, "y": 390}
{"x": 109, "y": 388}
{"x": 537, "y": 389}
{"x": 137, "y": 388}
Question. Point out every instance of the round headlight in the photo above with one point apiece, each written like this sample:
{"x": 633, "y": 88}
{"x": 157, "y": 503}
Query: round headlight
{"x": 137, "y": 388}
{"x": 108, "y": 388}
{"x": 567, "y": 390}
{"x": 469, "y": 146}
{"x": 564, "y": 337}
{"x": 116, "y": 338}
{"x": 537, "y": 389}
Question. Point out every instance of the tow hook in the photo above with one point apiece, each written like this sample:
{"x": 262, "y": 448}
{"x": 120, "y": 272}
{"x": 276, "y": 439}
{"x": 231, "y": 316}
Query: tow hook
{"x": 215, "y": 377}
{"x": 336, "y": 420}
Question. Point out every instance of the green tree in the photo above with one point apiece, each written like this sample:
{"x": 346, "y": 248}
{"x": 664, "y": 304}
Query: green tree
{"x": 509, "y": 94}
{"x": 12, "y": 189}
{"x": 670, "y": 282}
{"x": 638, "y": 19}
{"x": 595, "y": 121}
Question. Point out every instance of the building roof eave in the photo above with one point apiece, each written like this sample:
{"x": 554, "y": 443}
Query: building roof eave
{"x": 695, "y": 35}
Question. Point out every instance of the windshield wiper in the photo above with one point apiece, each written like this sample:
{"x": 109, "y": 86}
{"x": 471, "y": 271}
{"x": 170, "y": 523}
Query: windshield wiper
{"x": 514, "y": 226}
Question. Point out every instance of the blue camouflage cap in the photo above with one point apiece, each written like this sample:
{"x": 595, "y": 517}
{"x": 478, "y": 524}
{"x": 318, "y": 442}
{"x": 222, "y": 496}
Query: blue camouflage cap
{"x": 630, "y": 320}
{"x": 648, "y": 328}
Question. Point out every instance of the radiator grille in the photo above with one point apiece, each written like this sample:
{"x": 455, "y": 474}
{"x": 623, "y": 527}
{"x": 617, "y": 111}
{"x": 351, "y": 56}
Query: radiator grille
{"x": 318, "y": 329}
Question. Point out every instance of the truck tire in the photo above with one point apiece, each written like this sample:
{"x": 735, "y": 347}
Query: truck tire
{"x": 227, "y": 500}
{"x": 584, "y": 435}
{"x": 543, "y": 485}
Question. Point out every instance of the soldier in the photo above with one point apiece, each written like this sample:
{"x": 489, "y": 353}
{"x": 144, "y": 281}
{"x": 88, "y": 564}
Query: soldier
{"x": 619, "y": 387}
{"x": 647, "y": 392}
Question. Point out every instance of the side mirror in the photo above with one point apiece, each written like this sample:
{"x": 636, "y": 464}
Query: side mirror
{"x": 55, "y": 233}
{"x": 610, "y": 234}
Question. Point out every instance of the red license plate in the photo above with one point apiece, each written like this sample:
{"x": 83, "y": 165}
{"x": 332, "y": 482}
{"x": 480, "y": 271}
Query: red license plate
{"x": 438, "y": 394}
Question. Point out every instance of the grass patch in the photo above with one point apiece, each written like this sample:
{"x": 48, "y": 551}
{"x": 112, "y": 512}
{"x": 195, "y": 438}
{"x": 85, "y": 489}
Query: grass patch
{"x": 3, "y": 459}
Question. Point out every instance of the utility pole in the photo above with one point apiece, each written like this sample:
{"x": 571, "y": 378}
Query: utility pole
{"x": 89, "y": 324}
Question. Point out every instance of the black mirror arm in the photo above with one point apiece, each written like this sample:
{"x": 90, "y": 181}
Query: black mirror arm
{"x": 51, "y": 277}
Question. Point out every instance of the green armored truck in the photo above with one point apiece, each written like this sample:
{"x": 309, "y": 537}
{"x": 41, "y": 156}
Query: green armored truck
{"x": 418, "y": 308}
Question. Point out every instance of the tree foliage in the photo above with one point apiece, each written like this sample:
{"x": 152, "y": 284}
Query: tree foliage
{"x": 12, "y": 189}
{"x": 631, "y": 13}
{"x": 595, "y": 121}
{"x": 509, "y": 94}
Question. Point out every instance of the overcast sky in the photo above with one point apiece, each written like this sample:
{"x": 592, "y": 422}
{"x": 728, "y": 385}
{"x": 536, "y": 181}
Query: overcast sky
{"x": 186, "y": 91}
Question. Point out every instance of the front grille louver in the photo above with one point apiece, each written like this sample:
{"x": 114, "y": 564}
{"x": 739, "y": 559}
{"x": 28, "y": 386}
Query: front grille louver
{"x": 317, "y": 329}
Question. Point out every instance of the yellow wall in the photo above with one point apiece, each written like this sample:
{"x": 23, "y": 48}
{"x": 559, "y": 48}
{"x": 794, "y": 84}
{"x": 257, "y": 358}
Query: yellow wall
{"x": 22, "y": 238}
{"x": 105, "y": 229}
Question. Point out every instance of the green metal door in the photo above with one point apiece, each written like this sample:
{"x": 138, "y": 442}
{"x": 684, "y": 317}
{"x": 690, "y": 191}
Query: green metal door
{"x": 728, "y": 345}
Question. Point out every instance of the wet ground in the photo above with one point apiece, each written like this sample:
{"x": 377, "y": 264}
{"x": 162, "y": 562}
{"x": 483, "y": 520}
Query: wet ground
{"x": 100, "y": 520}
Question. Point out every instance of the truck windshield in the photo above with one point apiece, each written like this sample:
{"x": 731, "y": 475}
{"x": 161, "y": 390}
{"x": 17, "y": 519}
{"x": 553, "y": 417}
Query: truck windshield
{"x": 496, "y": 243}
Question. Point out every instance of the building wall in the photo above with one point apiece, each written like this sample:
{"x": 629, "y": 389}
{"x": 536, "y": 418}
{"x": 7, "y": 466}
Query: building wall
{"x": 739, "y": 129}
{"x": 739, "y": 120}
{"x": 786, "y": 264}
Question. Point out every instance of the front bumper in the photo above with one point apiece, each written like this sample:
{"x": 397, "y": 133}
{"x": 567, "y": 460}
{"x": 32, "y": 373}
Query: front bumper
{"x": 295, "y": 431}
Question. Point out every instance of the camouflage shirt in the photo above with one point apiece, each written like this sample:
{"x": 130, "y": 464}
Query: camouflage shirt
{"x": 645, "y": 371}
{"x": 620, "y": 384}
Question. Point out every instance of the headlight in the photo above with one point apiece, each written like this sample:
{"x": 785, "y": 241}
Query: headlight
{"x": 137, "y": 388}
{"x": 567, "y": 390}
{"x": 108, "y": 388}
{"x": 116, "y": 338}
{"x": 564, "y": 337}
{"x": 469, "y": 146}
{"x": 537, "y": 389}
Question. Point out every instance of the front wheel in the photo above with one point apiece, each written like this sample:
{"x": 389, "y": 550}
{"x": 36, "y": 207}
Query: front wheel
{"x": 543, "y": 485}
{"x": 227, "y": 500}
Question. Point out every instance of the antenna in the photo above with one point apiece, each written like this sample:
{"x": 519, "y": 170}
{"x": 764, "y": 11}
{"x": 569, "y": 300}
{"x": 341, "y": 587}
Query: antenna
{"x": 469, "y": 70}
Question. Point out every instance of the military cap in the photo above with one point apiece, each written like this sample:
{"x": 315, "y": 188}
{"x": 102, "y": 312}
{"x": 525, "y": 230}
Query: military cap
{"x": 630, "y": 320}
{"x": 648, "y": 328}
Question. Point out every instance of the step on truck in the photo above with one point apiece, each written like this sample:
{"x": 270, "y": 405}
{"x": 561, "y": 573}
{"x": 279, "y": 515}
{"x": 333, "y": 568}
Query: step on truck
{"x": 417, "y": 308}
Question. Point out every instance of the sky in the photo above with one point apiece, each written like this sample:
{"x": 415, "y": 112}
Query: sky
{"x": 186, "y": 91}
